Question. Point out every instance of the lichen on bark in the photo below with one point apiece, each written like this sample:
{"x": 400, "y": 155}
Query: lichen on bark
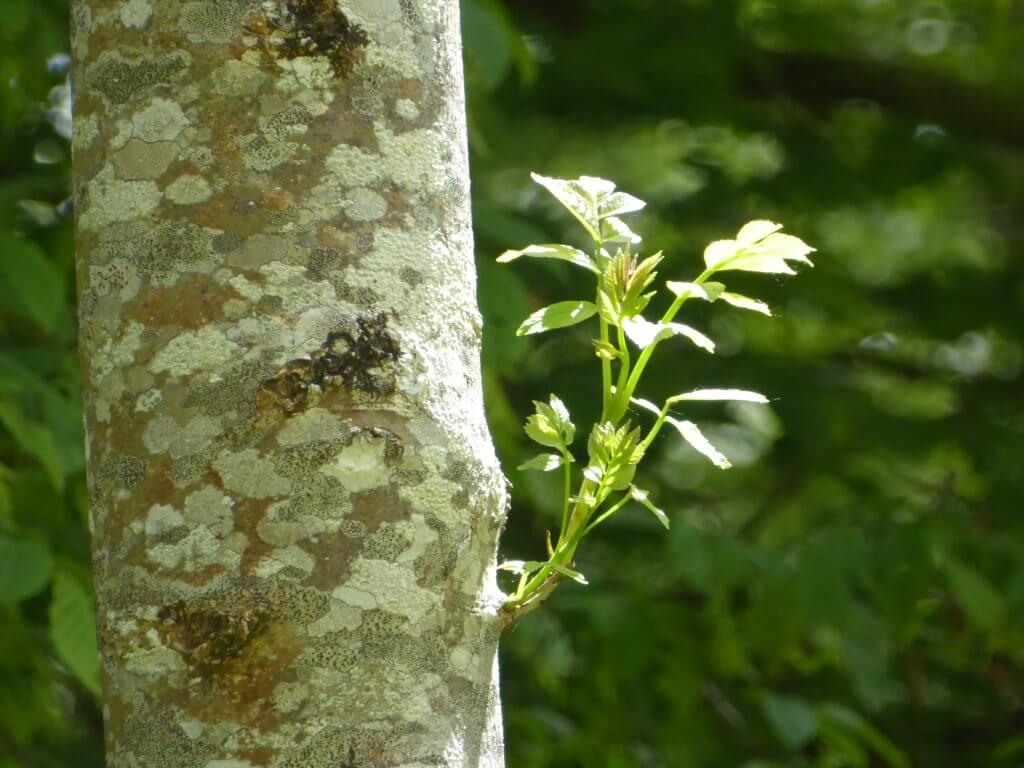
{"x": 294, "y": 498}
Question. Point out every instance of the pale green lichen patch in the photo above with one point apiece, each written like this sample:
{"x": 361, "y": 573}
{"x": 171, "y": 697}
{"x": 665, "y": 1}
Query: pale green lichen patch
{"x": 314, "y": 424}
{"x": 135, "y": 13}
{"x": 199, "y": 549}
{"x": 360, "y": 466}
{"x": 161, "y": 120}
{"x": 389, "y": 587}
{"x": 207, "y": 349}
{"x": 188, "y": 189}
{"x": 138, "y": 160}
{"x": 238, "y": 77}
{"x": 164, "y": 435}
{"x": 365, "y": 205}
{"x": 110, "y": 200}
{"x": 209, "y": 506}
{"x": 249, "y": 475}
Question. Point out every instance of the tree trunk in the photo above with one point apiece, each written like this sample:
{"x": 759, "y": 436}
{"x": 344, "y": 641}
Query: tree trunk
{"x": 294, "y": 498}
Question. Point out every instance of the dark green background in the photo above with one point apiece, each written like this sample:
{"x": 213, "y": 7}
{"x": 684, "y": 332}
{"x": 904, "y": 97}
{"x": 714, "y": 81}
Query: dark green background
{"x": 852, "y": 592}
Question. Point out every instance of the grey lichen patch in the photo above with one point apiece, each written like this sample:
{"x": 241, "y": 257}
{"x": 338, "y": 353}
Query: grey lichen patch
{"x": 293, "y": 120}
{"x": 214, "y": 21}
{"x": 120, "y": 79}
{"x": 160, "y": 252}
{"x": 358, "y": 359}
{"x": 259, "y": 154}
{"x": 164, "y": 435}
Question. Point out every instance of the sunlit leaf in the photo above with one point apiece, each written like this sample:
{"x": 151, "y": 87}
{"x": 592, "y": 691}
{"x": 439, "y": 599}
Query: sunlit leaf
{"x": 691, "y": 433}
{"x": 552, "y": 251}
{"x": 643, "y": 497}
{"x": 545, "y": 462}
{"x": 744, "y": 302}
{"x": 569, "y": 572}
{"x": 643, "y": 333}
{"x": 721, "y": 394}
{"x": 615, "y": 230}
{"x": 560, "y": 315}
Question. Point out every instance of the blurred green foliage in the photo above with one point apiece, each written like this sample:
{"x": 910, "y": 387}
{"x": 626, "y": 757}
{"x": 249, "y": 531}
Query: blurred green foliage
{"x": 852, "y": 592}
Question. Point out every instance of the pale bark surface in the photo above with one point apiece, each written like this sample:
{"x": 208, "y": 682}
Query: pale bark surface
{"x": 294, "y": 498}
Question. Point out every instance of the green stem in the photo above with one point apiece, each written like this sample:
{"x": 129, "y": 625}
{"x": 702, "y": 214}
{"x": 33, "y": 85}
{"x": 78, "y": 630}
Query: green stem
{"x": 645, "y": 355}
{"x": 566, "y": 492}
{"x": 606, "y": 374}
{"x": 606, "y": 514}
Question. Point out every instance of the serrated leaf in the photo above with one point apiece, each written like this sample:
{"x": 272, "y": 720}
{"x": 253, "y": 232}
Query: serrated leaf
{"x": 618, "y": 204}
{"x": 691, "y": 433}
{"x": 25, "y": 567}
{"x": 642, "y": 496}
{"x": 32, "y": 283}
{"x": 615, "y": 230}
{"x": 753, "y": 231}
{"x": 545, "y": 462}
{"x": 578, "y": 197}
{"x": 721, "y": 394}
{"x": 644, "y": 333}
{"x": 542, "y": 431}
{"x": 744, "y": 302}
{"x": 762, "y": 248}
{"x": 73, "y": 630}
{"x": 560, "y": 315}
{"x": 552, "y": 251}
{"x": 569, "y": 572}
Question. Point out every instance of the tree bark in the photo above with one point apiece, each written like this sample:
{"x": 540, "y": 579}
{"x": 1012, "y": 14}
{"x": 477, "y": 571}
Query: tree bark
{"x": 294, "y": 498}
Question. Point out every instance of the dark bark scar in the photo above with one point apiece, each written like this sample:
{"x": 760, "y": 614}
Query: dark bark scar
{"x": 311, "y": 28}
{"x": 359, "y": 359}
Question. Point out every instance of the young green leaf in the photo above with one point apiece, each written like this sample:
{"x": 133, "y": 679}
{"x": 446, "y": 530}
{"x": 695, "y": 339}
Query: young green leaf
{"x": 553, "y": 251}
{"x": 689, "y": 290}
{"x": 520, "y": 566}
{"x": 604, "y": 350}
{"x": 745, "y": 302}
{"x": 550, "y": 425}
{"x": 569, "y": 572}
{"x": 25, "y": 566}
{"x": 578, "y": 196}
{"x": 758, "y": 247}
{"x": 618, "y": 204}
{"x": 643, "y": 333}
{"x": 560, "y": 315}
{"x": 721, "y": 394}
{"x": 545, "y": 462}
{"x": 643, "y": 497}
{"x": 615, "y": 230}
